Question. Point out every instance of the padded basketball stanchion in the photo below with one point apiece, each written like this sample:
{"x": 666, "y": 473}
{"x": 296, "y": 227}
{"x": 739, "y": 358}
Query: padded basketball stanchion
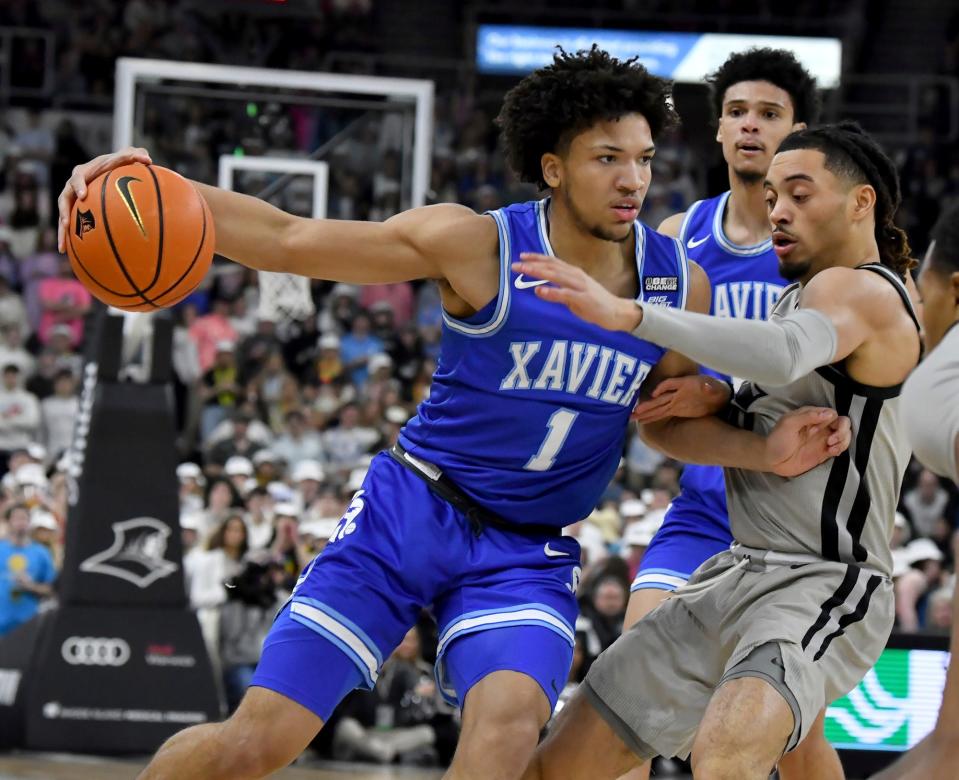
{"x": 120, "y": 665}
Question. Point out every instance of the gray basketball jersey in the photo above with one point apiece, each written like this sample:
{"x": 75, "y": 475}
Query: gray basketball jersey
{"x": 844, "y": 509}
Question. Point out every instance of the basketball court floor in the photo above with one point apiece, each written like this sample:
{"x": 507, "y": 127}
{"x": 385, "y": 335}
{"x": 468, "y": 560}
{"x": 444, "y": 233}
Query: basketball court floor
{"x": 60, "y": 766}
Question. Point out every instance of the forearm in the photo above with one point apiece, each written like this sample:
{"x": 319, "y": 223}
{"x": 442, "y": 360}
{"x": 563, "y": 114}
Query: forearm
{"x": 774, "y": 352}
{"x": 707, "y": 441}
{"x": 248, "y": 230}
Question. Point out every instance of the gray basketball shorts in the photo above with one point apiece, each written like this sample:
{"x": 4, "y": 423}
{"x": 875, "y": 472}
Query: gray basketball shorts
{"x": 830, "y": 621}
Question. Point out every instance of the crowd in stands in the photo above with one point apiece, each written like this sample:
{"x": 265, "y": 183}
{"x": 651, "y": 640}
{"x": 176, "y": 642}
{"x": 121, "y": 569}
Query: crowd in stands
{"x": 278, "y": 420}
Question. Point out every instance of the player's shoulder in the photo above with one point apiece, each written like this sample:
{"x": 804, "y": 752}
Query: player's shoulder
{"x": 874, "y": 293}
{"x": 445, "y": 227}
{"x": 672, "y": 225}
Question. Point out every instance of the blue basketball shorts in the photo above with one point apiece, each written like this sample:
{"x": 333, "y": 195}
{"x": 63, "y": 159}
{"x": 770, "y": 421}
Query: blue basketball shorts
{"x": 503, "y": 601}
{"x": 692, "y": 532}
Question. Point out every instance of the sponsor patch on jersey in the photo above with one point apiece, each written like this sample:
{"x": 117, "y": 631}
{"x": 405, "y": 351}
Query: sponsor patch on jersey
{"x": 660, "y": 284}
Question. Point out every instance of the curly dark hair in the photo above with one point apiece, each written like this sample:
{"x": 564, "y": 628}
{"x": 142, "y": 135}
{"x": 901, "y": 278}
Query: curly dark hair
{"x": 854, "y": 155}
{"x": 551, "y": 105}
{"x": 777, "y": 66}
{"x": 945, "y": 255}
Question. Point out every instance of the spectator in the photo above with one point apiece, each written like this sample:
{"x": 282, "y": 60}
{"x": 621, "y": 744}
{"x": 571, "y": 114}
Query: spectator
{"x": 240, "y": 442}
{"x": 221, "y": 498}
{"x": 287, "y": 550}
{"x": 397, "y": 720}
{"x": 220, "y": 388}
{"x": 259, "y": 504}
{"x": 19, "y": 413}
{"x": 222, "y": 561}
{"x": 308, "y": 478}
{"x": 605, "y": 609}
{"x": 245, "y": 619}
{"x": 64, "y": 355}
{"x": 398, "y": 297}
{"x": 58, "y": 413}
{"x": 356, "y": 348}
{"x": 191, "y": 487}
{"x": 45, "y": 530}
{"x": 12, "y": 310}
{"x": 191, "y": 526}
{"x": 328, "y": 365}
{"x": 64, "y": 302}
{"x": 26, "y": 571}
{"x": 12, "y": 351}
{"x": 922, "y": 575}
{"x": 211, "y": 331}
{"x": 926, "y": 503}
{"x": 36, "y": 267}
{"x": 299, "y": 442}
{"x": 348, "y": 441}
{"x": 939, "y": 612}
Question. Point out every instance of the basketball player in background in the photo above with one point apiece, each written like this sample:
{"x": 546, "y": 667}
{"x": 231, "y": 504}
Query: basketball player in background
{"x": 759, "y": 96}
{"x": 931, "y": 417}
{"x": 736, "y": 666}
{"x": 521, "y": 433}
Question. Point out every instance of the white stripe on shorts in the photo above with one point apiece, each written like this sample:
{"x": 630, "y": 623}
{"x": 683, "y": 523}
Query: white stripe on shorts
{"x": 341, "y": 632}
{"x": 523, "y": 616}
{"x": 660, "y": 581}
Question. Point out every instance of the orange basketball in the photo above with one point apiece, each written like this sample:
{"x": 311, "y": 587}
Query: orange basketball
{"x": 142, "y": 239}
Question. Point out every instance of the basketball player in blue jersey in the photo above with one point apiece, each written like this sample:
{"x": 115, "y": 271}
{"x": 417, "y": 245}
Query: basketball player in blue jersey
{"x": 521, "y": 433}
{"x": 759, "y": 96}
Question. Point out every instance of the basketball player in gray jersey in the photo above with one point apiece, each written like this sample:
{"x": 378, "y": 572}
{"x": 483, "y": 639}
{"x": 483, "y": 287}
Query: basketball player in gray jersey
{"x": 930, "y": 400}
{"x": 735, "y": 666}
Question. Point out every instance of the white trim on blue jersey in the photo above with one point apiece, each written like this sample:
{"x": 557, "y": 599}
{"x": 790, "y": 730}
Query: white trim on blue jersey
{"x": 659, "y": 579}
{"x": 682, "y": 261}
{"x": 503, "y": 298}
{"x": 341, "y": 632}
{"x": 543, "y": 226}
{"x": 640, "y": 232}
{"x": 720, "y": 235}
{"x": 687, "y": 217}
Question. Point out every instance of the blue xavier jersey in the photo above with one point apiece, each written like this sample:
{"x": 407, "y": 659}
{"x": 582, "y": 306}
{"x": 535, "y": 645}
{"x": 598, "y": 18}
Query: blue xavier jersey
{"x": 745, "y": 283}
{"x": 529, "y": 406}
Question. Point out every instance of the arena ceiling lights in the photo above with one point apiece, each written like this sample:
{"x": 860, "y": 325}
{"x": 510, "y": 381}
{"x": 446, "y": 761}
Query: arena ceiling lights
{"x": 686, "y": 57}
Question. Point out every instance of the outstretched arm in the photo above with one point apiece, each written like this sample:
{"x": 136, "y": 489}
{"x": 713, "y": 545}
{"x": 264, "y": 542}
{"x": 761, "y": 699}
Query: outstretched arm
{"x": 432, "y": 242}
{"x": 841, "y": 309}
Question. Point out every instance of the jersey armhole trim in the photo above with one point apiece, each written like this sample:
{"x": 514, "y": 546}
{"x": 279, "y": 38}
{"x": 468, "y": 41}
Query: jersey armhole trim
{"x": 682, "y": 261}
{"x": 684, "y": 226}
{"x": 835, "y": 376}
{"x": 491, "y": 326}
{"x": 639, "y": 230}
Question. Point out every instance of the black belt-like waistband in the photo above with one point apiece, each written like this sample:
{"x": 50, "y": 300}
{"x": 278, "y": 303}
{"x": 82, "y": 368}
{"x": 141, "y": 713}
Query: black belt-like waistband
{"x": 446, "y": 489}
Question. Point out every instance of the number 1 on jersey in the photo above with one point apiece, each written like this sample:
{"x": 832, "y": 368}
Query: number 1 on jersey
{"x": 558, "y": 429}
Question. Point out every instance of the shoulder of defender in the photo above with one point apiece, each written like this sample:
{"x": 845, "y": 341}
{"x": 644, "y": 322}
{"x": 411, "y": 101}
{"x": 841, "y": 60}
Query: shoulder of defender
{"x": 872, "y": 295}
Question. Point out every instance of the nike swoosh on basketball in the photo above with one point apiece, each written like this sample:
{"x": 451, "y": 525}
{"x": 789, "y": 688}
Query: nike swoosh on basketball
{"x": 550, "y": 553}
{"x": 522, "y": 284}
{"x": 693, "y": 243}
{"x": 123, "y": 187}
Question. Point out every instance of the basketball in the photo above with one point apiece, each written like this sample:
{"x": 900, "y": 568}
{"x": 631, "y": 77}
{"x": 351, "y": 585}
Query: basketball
{"x": 142, "y": 239}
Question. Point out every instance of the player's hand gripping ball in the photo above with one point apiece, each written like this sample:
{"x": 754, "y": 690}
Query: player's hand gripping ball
{"x": 142, "y": 239}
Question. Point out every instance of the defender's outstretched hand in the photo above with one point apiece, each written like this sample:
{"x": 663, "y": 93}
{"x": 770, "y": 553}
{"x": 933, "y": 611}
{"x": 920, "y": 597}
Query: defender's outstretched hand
{"x": 83, "y": 174}
{"x": 806, "y": 437}
{"x": 577, "y": 290}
